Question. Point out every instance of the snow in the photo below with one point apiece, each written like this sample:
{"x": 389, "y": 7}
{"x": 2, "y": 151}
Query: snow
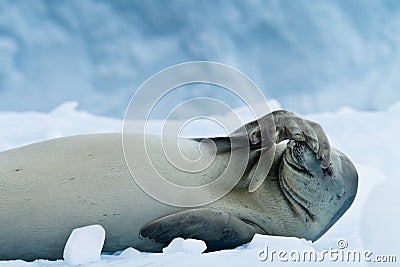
{"x": 190, "y": 246}
{"x": 64, "y": 120}
{"x": 129, "y": 253}
{"x": 84, "y": 245}
{"x": 371, "y": 223}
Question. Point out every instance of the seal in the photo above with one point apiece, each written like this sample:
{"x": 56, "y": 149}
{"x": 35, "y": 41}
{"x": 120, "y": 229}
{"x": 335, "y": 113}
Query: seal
{"x": 49, "y": 188}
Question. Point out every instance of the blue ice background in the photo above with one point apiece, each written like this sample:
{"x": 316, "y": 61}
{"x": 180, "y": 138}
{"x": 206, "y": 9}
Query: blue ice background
{"x": 312, "y": 56}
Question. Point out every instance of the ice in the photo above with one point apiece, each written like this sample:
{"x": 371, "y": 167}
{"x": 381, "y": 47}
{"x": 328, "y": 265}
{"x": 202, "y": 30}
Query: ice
{"x": 84, "y": 245}
{"x": 129, "y": 253}
{"x": 64, "y": 120}
{"x": 190, "y": 246}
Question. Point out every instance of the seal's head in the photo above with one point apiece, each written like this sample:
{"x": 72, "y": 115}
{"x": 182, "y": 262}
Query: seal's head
{"x": 319, "y": 196}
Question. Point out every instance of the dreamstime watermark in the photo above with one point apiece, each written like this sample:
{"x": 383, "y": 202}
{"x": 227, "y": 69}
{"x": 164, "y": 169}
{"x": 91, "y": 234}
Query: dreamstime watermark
{"x": 339, "y": 254}
{"x": 159, "y": 163}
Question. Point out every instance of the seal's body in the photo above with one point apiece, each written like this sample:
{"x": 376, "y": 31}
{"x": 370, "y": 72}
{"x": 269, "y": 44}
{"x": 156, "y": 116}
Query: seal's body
{"x": 49, "y": 188}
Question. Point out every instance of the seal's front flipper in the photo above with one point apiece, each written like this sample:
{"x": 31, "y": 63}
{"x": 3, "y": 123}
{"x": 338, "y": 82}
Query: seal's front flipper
{"x": 220, "y": 230}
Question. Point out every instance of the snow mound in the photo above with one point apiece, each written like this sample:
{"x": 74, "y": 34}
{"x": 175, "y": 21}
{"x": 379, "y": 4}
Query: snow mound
{"x": 129, "y": 253}
{"x": 84, "y": 245}
{"x": 190, "y": 246}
